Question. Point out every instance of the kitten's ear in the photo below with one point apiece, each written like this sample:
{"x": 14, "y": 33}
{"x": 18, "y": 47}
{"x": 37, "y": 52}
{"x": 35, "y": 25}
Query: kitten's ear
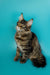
{"x": 21, "y": 17}
{"x": 29, "y": 23}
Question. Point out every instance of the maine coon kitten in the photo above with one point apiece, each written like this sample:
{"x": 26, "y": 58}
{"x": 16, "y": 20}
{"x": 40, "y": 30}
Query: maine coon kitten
{"x": 27, "y": 44}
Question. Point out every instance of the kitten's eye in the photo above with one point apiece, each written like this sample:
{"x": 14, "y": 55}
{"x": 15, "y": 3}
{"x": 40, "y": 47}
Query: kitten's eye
{"x": 20, "y": 26}
{"x": 23, "y": 26}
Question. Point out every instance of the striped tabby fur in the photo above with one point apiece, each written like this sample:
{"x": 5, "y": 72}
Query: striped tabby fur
{"x": 27, "y": 44}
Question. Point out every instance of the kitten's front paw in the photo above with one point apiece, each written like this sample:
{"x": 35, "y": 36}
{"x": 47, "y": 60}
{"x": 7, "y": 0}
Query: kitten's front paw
{"x": 22, "y": 61}
{"x": 16, "y": 58}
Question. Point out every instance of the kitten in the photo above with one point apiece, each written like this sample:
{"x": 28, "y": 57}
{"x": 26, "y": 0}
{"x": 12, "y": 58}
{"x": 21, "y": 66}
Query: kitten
{"x": 27, "y": 44}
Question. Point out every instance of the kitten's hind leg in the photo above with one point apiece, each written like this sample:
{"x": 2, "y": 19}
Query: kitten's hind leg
{"x": 17, "y": 54}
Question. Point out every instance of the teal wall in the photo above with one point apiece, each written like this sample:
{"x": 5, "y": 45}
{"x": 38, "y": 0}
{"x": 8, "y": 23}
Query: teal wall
{"x": 10, "y": 11}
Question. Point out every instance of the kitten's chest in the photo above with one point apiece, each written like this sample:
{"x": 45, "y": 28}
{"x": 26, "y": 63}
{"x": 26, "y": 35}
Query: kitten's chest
{"x": 23, "y": 41}
{"x": 20, "y": 47}
{"x": 23, "y": 45}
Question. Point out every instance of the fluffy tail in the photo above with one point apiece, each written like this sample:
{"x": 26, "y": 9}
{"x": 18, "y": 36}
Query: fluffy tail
{"x": 39, "y": 62}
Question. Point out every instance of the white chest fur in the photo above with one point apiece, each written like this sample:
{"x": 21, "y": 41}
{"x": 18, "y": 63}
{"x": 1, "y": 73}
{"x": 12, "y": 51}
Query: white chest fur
{"x": 21, "y": 49}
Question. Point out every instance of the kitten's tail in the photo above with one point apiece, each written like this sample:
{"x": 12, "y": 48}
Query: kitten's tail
{"x": 39, "y": 62}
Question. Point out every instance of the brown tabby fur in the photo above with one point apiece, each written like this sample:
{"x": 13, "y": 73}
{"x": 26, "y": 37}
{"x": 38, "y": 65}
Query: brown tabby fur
{"x": 27, "y": 44}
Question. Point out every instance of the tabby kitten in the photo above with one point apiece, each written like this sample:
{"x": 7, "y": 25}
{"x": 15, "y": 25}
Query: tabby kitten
{"x": 27, "y": 44}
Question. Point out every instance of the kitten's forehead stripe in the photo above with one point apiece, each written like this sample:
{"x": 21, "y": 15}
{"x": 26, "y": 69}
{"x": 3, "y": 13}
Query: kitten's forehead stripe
{"x": 22, "y": 22}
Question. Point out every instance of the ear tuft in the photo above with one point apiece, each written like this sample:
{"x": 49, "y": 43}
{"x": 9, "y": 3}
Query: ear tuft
{"x": 29, "y": 23}
{"x": 22, "y": 13}
{"x": 21, "y": 17}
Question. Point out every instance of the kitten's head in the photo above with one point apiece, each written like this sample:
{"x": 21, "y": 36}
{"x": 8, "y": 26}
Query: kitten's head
{"x": 23, "y": 25}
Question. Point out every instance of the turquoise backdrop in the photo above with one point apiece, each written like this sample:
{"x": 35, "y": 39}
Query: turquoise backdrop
{"x": 10, "y": 11}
